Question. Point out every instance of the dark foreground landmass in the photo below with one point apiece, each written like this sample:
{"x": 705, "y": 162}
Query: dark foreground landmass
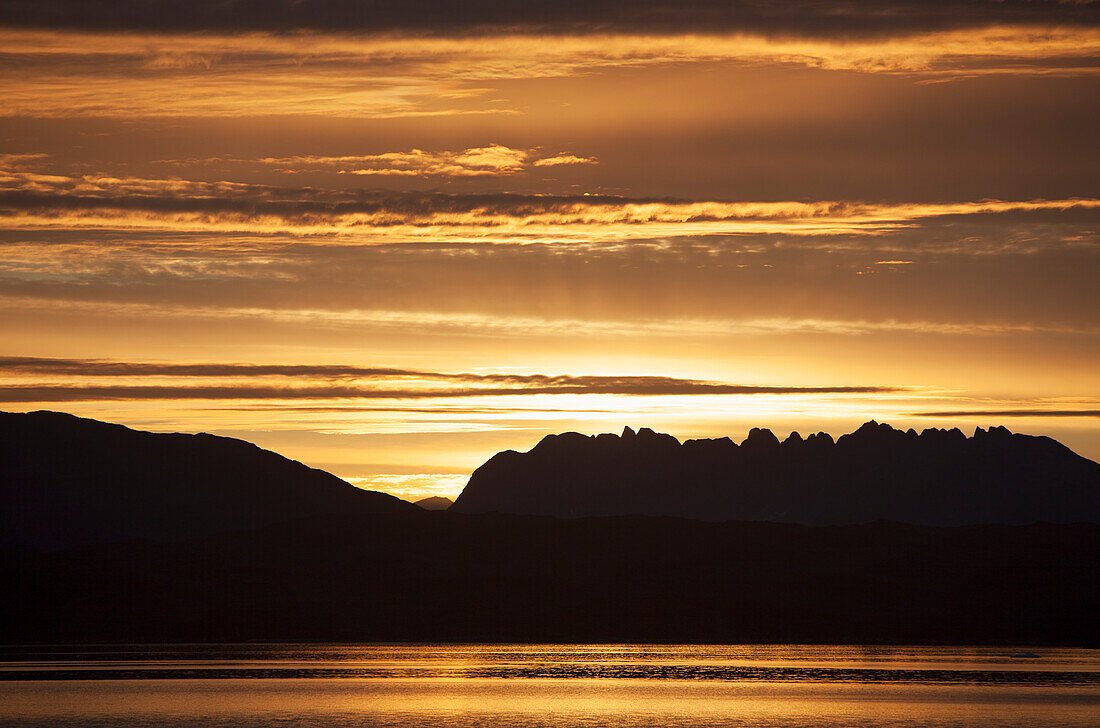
{"x": 109, "y": 534}
{"x": 451, "y": 577}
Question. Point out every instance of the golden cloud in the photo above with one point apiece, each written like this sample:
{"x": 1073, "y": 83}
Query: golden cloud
{"x": 483, "y": 324}
{"x": 67, "y": 73}
{"x": 95, "y": 202}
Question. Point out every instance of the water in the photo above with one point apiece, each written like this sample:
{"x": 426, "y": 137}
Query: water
{"x": 455, "y": 686}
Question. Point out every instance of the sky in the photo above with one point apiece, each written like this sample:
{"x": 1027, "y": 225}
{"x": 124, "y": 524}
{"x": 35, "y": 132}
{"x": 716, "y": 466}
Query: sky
{"x": 392, "y": 239}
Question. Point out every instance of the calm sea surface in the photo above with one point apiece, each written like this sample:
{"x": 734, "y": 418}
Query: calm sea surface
{"x": 544, "y": 685}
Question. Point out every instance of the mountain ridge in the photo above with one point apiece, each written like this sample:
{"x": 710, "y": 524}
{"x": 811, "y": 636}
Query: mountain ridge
{"x": 935, "y": 477}
{"x": 67, "y": 480}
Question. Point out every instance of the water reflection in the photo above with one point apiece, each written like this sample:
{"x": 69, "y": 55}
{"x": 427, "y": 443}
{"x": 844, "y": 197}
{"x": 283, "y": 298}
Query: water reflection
{"x": 537, "y": 685}
{"x": 648, "y": 662}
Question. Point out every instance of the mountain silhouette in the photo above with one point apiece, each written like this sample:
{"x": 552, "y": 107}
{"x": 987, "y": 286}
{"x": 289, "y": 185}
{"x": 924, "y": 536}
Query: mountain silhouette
{"x": 66, "y": 481}
{"x": 434, "y": 503}
{"x": 937, "y": 477}
{"x": 113, "y": 535}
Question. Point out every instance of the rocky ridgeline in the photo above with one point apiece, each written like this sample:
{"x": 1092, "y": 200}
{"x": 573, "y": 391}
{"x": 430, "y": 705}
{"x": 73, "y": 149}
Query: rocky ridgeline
{"x": 935, "y": 477}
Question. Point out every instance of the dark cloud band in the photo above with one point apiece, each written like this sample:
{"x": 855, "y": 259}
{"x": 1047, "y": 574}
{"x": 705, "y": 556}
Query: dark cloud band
{"x": 309, "y": 206}
{"x": 34, "y": 393}
{"x": 253, "y": 200}
{"x": 1011, "y": 413}
{"x": 831, "y": 18}
{"x": 464, "y": 384}
{"x": 104, "y": 368}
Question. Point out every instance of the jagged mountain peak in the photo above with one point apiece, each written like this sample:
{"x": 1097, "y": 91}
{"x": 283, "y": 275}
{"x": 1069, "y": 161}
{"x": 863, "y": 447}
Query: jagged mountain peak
{"x": 937, "y": 477}
{"x": 760, "y": 438}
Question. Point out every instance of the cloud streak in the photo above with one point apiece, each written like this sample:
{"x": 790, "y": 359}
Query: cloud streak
{"x": 30, "y": 200}
{"x": 70, "y": 393}
{"x": 478, "y": 325}
{"x": 105, "y": 368}
{"x": 1010, "y": 413}
{"x": 491, "y": 160}
{"x": 96, "y": 367}
{"x": 487, "y": 385}
{"x": 832, "y": 18}
{"x": 52, "y": 73}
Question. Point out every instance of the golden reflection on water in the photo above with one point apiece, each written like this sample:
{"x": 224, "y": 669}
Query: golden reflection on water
{"x": 489, "y": 685}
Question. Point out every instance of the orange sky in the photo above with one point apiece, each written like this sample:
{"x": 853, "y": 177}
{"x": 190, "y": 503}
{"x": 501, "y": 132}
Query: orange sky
{"x": 389, "y": 242}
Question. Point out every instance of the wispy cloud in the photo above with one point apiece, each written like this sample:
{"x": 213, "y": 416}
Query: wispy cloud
{"x": 107, "y": 368}
{"x": 563, "y": 160}
{"x": 1010, "y": 413}
{"x": 70, "y": 73}
{"x": 74, "y": 393}
{"x": 490, "y": 160}
{"x": 18, "y": 161}
{"x": 494, "y": 160}
{"x": 30, "y": 200}
{"x": 464, "y": 324}
{"x": 314, "y": 382}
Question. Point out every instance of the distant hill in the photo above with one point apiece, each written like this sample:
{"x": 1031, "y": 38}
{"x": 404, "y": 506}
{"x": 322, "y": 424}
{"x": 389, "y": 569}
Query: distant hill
{"x": 66, "y": 481}
{"x": 434, "y": 503}
{"x": 937, "y": 477}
